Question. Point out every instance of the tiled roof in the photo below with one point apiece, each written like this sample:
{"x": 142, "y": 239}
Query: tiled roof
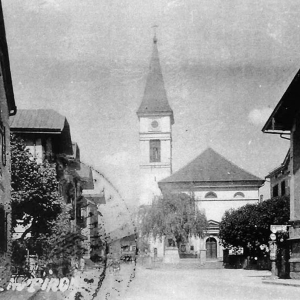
{"x": 210, "y": 166}
{"x": 46, "y": 120}
{"x": 155, "y": 99}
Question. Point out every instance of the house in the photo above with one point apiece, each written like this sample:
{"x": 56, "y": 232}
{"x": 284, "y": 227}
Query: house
{"x": 93, "y": 231}
{"x": 285, "y": 122}
{"x": 7, "y": 108}
{"x": 47, "y": 136}
{"x": 114, "y": 219}
{"x": 217, "y": 185}
{"x": 280, "y": 179}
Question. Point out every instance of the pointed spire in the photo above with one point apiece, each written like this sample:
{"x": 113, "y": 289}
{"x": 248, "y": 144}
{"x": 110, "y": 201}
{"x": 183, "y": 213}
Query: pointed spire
{"x": 155, "y": 101}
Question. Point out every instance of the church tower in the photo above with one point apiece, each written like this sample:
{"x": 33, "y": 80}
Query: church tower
{"x": 155, "y": 134}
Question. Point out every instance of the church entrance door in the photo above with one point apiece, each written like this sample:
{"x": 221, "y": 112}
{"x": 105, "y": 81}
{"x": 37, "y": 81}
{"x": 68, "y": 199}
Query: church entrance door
{"x": 211, "y": 248}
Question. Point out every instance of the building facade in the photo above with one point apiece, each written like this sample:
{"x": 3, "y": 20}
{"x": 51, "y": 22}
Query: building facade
{"x": 46, "y": 134}
{"x": 285, "y": 122}
{"x": 280, "y": 179}
{"x": 7, "y": 109}
{"x": 217, "y": 185}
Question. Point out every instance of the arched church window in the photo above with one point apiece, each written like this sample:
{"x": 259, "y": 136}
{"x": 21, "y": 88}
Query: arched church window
{"x": 239, "y": 195}
{"x": 211, "y": 195}
{"x": 155, "y": 150}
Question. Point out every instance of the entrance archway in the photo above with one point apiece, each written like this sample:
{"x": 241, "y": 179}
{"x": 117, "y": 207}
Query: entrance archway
{"x": 211, "y": 248}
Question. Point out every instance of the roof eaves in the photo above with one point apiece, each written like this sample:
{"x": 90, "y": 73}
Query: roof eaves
{"x": 35, "y": 130}
{"x": 293, "y": 88}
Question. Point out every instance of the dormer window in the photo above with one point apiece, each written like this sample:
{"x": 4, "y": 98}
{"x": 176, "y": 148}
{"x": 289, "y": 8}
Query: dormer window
{"x": 239, "y": 195}
{"x": 211, "y": 195}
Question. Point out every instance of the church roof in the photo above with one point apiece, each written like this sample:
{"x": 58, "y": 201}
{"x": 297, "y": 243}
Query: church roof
{"x": 155, "y": 101}
{"x": 210, "y": 166}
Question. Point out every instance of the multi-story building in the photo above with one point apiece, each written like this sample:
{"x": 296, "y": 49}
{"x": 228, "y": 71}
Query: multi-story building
{"x": 280, "y": 179}
{"x": 93, "y": 230}
{"x": 7, "y": 109}
{"x": 285, "y": 122}
{"x": 47, "y": 136}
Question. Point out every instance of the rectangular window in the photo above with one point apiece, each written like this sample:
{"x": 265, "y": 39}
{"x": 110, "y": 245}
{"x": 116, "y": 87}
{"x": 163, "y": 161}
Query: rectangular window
{"x": 154, "y": 150}
{"x": 275, "y": 190}
{"x": 283, "y": 188}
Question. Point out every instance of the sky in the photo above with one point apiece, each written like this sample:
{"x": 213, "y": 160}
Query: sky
{"x": 226, "y": 64}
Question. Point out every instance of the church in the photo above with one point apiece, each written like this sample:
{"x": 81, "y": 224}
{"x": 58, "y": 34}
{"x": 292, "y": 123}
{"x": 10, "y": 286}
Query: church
{"x": 216, "y": 183}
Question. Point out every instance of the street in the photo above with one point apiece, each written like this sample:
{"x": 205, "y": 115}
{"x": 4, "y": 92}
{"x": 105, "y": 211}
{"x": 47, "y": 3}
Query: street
{"x": 86, "y": 285}
{"x": 172, "y": 283}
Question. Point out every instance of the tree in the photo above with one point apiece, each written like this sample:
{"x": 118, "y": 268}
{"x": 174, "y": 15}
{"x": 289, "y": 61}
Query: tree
{"x": 34, "y": 196}
{"x": 249, "y": 225}
{"x": 173, "y": 215}
{"x": 37, "y": 205}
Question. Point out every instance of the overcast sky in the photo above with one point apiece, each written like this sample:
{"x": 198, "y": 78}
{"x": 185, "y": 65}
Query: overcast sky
{"x": 226, "y": 64}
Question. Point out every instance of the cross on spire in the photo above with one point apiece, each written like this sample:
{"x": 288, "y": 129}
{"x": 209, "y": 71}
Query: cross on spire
{"x": 154, "y": 30}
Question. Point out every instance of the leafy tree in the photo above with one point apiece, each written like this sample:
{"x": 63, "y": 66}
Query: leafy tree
{"x": 173, "y": 215}
{"x": 249, "y": 225}
{"x": 34, "y": 197}
{"x": 62, "y": 246}
{"x": 37, "y": 205}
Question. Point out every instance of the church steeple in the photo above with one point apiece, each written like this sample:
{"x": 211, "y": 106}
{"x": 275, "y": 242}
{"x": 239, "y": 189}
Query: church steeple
{"x": 155, "y": 133}
{"x": 155, "y": 101}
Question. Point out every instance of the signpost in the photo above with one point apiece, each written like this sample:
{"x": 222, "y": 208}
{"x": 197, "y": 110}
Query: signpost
{"x": 276, "y": 228}
{"x": 273, "y": 236}
{"x": 273, "y": 246}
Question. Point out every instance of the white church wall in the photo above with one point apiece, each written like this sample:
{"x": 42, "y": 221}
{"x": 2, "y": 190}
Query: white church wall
{"x": 164, "y": 123}
{"x": 215, "y": 207}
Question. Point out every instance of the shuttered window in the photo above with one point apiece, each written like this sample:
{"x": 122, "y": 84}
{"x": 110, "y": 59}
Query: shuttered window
{"x": 155, "y": 150}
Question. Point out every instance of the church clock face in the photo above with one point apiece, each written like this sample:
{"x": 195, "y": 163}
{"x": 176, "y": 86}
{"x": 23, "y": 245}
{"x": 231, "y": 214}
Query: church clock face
{"x": 154, "y": 124}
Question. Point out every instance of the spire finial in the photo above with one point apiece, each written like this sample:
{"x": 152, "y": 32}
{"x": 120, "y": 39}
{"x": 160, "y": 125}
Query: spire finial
{"x": 154, "y": 37}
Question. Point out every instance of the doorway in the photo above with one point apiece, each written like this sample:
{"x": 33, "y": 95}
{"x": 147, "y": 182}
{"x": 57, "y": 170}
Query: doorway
{"x": 211, "y": 248}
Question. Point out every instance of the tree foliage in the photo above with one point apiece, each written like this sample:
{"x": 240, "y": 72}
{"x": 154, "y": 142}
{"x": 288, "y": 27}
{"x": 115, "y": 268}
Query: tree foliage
{"x": 249, "y": 225}
{"x": 173, "y": 215}
{"x": 34, "y": 197}
{"x": 37, "y": 205}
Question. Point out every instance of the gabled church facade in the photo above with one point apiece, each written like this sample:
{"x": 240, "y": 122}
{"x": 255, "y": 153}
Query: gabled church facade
{"x": 217, "y": 185}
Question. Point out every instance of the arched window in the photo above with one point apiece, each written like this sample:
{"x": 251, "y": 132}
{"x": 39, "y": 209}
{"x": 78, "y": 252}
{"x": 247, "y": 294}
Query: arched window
{"x": 239, "y": 195}
{"x": 211, "y": 195}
